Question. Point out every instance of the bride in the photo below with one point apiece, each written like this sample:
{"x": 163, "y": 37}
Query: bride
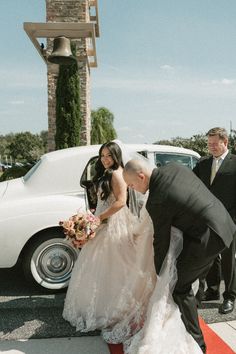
{"x": 113, "y": 282}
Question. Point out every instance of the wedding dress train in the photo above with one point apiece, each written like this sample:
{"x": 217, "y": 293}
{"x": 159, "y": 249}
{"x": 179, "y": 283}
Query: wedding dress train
{"x": 163, "y": 331}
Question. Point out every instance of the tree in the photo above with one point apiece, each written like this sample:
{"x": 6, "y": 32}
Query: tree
{"x": 26, "y": 146}
{"x": 5, "y": 141}
{"x": 197, "y": 143}
{"x": 232, "y": 141}
{"x": 102, "y": 129}
{"x": 44, "y": 136}
{"x": 68, "y": 119}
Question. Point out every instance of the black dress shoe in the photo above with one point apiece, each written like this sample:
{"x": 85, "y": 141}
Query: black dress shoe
{"x": 210, "y": 295}
{"x": 226, "y": 307}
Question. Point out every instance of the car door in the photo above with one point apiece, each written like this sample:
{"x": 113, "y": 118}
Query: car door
{"x": 87, "y": 183}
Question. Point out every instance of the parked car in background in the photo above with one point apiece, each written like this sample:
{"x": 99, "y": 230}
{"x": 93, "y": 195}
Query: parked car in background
{"x": 54, "y": 189}
{"x": 4, "y": 167}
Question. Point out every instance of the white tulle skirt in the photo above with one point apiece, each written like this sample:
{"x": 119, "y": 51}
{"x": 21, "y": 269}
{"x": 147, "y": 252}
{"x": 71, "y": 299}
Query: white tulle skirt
{"x": 113, "y": 279}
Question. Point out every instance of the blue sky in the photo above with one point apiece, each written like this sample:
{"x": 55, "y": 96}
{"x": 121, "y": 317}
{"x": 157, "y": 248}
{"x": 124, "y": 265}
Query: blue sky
{"x": 166, "y": 68}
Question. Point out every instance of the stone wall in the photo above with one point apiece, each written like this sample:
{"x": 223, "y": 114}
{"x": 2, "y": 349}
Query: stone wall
{"x": 69, "y": 11}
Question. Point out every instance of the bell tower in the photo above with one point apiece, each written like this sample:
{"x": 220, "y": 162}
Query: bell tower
{"x": 70, "y": 11}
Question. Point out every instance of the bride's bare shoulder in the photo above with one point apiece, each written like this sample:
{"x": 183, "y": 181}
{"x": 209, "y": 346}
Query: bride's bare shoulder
{"x": 118, "y": 173}
{"x": 117, "y": 176}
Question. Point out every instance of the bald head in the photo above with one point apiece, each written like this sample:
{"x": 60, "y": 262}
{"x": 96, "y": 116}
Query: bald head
{"x": 136, "y": 166}
{"x": 137, "y": 174}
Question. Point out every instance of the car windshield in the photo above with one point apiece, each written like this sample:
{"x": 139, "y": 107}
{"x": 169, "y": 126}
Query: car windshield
{"x": 31, "y": 171}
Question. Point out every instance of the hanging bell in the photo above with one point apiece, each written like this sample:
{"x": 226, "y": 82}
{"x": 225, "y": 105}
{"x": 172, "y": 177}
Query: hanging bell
{"x": 61, "y": 53}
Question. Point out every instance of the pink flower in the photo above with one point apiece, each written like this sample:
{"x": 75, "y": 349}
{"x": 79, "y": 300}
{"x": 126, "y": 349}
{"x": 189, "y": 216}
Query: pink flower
{"x": 80, "y": 228}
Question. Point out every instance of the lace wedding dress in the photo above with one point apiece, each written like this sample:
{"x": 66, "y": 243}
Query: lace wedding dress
{"x": 163, "y": 331}
{"x": 114, "y": 288}
{"x": 113, "y": 277}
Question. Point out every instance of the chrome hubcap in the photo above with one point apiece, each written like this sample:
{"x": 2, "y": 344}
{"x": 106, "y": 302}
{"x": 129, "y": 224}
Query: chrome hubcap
{"x": 54, "y": 262}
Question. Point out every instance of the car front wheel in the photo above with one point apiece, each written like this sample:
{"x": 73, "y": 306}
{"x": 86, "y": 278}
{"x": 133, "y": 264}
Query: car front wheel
{"x": 49, "y": 260}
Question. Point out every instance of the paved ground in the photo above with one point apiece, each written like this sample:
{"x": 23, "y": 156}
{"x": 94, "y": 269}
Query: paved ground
{"x": 83, "y": 345}
{"x": 31, "y": 322}
{"x": 92, "y": 345}
{"x": 34, "y": 325}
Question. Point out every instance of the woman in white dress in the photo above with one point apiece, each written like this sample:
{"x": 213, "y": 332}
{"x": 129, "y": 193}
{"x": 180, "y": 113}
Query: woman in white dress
{"x": 114, "y": 277}
{"x": 111, "y": 282}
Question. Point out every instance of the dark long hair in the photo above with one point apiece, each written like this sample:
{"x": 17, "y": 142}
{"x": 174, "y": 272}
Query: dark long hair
{"x": 103, "y": 176}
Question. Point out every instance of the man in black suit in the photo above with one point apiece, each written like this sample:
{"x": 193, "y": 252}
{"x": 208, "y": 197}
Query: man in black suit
{"x": 218, "y": 173}
{"x": 178, "y": 197}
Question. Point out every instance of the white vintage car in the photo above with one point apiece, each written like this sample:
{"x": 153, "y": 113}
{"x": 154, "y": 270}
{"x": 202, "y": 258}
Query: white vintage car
{"x": 53, "y": 190}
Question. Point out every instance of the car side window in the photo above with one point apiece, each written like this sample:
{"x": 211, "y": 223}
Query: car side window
{"x": 162, "y": 159}
{"x": 194, "y": 161}
{"x": 143, "y": 153}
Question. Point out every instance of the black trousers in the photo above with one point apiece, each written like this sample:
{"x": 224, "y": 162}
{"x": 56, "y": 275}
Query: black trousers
{"x": 224, "y": 266}
{"x": 194, "y": 262}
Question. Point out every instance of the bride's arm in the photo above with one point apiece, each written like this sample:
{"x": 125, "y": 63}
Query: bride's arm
{"x": 119, "y": 189}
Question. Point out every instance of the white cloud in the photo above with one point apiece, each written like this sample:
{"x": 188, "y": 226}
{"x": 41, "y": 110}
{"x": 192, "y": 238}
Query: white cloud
{"x": 184, "y": 86}
{"x": 222, "y": 82}
{"x": 228, "y": 81}
{"x": 160, "y": 88}
{"x": 111, "y": 67}
{"x": 124, "y": 129}
{"x": 19, "y": 102}
{"x": 6, "y": 112}
{"x": 166, "y": 67}
{"x": 23, "y": 78}
{"x": 139, "y": 136}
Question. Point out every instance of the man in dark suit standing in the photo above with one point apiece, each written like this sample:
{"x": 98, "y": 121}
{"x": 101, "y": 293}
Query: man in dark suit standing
{"x": 177, "y": 197}
{"x": 218, "y": 173}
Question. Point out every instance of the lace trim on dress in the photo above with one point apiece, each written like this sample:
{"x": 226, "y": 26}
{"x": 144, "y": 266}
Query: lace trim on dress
{"x": 164, "y": 331}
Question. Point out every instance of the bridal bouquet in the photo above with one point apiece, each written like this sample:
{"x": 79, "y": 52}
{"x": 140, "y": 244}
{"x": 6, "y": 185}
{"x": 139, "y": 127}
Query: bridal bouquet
{"x": 80, "y": 228}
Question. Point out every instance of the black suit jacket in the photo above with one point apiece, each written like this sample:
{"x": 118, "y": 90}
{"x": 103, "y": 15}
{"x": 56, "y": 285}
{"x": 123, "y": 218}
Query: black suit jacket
{"x": 178, "y": 197}
{"x": 224, "y": 183}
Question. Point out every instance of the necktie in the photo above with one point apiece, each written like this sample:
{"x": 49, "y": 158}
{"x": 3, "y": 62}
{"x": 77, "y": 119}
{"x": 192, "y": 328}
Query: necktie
{"x": 214, "y": 168}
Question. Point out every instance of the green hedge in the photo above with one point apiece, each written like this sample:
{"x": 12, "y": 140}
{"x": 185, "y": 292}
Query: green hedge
{"x": 14, "y": 172}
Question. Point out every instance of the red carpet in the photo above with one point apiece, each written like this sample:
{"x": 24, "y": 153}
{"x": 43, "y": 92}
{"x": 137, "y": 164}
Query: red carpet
{"x": 215, "y": 345}
{"x": 116, "y": 348}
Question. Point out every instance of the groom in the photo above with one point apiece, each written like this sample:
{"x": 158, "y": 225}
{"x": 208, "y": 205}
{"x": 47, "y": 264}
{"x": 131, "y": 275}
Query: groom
{"x": 178, "y": 198}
